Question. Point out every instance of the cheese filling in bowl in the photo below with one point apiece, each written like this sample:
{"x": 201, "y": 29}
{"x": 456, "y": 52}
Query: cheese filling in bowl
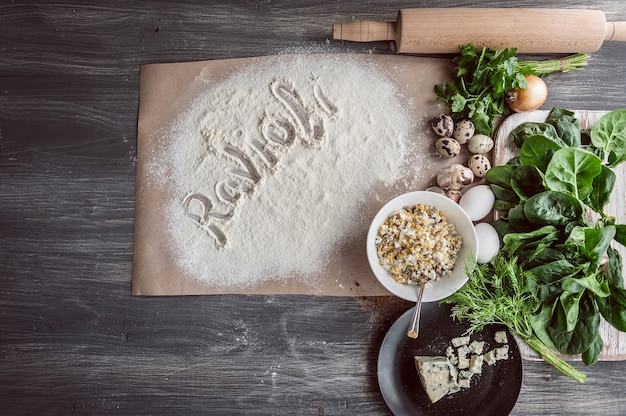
{"x": 421, "y": 236}
{"x": 417, "y": 244}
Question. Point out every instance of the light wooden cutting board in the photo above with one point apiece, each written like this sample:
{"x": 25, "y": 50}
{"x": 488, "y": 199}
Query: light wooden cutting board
{"x": 505, "y": 149}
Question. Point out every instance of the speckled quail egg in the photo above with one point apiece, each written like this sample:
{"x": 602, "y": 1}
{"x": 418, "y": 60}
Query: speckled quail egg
{"x": 480, "y": 143}
{"x": 442, "y": 125}
{"x": 463, "y": 131}
{"x": 447, "y": 147}
{"x": 479, "y": 164}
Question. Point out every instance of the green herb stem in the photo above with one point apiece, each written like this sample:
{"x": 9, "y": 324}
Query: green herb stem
{"x": 548, "y": 66}
{"x": 550, "y": 357}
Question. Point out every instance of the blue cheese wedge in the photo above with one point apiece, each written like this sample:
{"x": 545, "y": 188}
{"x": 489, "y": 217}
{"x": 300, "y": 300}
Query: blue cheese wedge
{"x": 434, "y": 374}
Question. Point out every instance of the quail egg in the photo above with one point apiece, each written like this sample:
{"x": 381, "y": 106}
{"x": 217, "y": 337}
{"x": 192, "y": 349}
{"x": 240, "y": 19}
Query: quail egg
{"x": 463, "y": 131}
{"x": 442, "y": 125}
{"x": 480, "y": 143}
{"x": 447, "y": 147}
{"x": 479, "y": 164}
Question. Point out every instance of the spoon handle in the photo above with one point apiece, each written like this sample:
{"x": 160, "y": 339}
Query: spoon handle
{"x": 415, "y": 322}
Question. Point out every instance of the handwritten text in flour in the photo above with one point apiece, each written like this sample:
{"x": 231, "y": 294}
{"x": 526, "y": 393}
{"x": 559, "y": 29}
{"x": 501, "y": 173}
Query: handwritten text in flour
{"x": 276, "y": 134}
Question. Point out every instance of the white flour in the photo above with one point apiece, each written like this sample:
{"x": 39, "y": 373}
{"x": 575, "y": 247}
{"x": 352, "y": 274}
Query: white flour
{"x": 271, "y": 169}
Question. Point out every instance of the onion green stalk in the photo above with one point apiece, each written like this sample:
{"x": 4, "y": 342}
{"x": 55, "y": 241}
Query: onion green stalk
{"x": 500, "y": 292}
{"x": 548, "y": 66}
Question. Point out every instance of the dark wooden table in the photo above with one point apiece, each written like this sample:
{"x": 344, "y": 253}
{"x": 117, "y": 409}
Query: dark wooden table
{"x": 72, "y": 338}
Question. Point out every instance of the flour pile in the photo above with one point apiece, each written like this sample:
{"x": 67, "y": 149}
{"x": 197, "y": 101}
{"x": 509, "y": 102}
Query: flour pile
{"x": 270, "y": 170}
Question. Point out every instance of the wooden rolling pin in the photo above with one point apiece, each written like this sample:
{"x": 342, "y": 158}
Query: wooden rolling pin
{"x": 530, "y": 30}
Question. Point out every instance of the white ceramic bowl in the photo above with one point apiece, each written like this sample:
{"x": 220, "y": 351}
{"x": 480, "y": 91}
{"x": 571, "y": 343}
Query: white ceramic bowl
{"x": 464, "y": 227}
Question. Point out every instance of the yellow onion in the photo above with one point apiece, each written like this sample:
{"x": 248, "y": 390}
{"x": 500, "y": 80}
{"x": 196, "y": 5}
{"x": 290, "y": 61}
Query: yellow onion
{"x": 529, "y": 99}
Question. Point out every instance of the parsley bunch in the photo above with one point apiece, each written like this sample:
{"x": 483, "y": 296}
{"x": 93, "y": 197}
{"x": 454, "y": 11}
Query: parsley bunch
{"x": 484, "y": 77}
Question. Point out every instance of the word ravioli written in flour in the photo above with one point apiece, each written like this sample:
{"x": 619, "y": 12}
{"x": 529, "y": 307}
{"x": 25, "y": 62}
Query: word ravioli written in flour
{"x": 276, "y": 133}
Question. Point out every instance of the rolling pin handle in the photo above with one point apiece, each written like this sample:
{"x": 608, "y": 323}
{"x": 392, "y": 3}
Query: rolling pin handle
{"x": 364, "y": 31}
{"x": 615, "y": 31}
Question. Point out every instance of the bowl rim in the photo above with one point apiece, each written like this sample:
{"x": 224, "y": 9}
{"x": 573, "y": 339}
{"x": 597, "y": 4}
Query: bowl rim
{"x": 456, "y": 215}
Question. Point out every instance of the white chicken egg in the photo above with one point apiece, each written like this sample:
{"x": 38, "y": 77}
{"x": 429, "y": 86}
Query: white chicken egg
{"x": 488, "y": 242}
{"x": 477, "y": 202}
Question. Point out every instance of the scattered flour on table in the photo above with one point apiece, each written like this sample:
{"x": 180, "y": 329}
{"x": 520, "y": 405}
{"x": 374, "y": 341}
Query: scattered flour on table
{"x": 270, "y": 170}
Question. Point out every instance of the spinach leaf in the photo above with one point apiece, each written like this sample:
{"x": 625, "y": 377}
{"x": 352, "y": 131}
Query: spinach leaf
{"x": 572, "y": 170}
{"x": 544, "y": 235}
{"x": 585, "y": 331}
{"x": 620, "y": 234}
{"x": 527, "y": 181}
{"x": 589, "y": 282}
{"x": 517, "y": 219}
{"x": 550, "y": 293}
{"x": 613, "y": 269}
{"x": 569, "y": 309}
{"x": 537, "y": 150}
{"x": 554, "y": 271}
{"x": 544, "y": 256}
{"x": 597, "y": 242}
{"x": 503, "y": 227}
{"x": 593, "y": 352}
{"x": 500, "y": 205}
{"x": 501, "y": 175}
{"x": 566, "y": 125}
{"x": 504, "y": 194}
{"x": 552, "y": 207}
{"x": 602, "y": 187}
{"x": 530, "y": 128}
{"x": 592, "y": 243}
{"x": 540, "y": 322}
{"x": 613, "y": 308}
{"x": 609, "y": 134}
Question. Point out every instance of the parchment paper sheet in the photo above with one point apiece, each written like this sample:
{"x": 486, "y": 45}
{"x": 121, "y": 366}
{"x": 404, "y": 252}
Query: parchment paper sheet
{"x": 166, "y": 90}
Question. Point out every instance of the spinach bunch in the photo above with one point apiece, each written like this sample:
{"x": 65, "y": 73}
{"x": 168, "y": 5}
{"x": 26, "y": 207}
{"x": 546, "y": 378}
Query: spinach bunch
{"x": 552, "y": 199}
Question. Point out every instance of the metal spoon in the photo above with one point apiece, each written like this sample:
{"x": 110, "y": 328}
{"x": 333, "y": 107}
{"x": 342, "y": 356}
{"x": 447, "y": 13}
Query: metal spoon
{"x": 415, "y": 322}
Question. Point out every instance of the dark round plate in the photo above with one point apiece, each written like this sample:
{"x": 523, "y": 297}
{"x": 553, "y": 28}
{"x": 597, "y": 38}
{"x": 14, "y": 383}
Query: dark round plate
{"x": 494, "y": 392}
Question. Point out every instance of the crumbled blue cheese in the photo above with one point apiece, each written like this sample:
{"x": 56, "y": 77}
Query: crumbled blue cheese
{"x": 452, "y": 357}
{"x": 476, "y": 364}
{"x": 502, "y": 353}
{"x": 462, "y": 353}
{"x": 465, "y": 379}
{"x": 446, "y": 375}
{"x": 476, "y": 347}
{"x": 490, "y": 357}
{"x": 459, "y": 341}
{"x": 500, "y": 337}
